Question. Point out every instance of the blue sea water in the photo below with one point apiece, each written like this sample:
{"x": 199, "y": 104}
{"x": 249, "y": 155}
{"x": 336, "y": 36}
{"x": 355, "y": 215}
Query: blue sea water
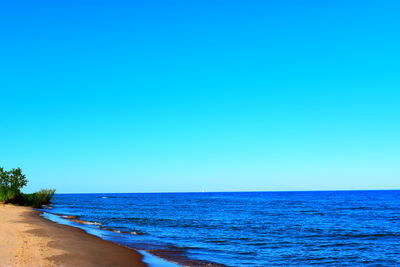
{"x": 252, "y": 228}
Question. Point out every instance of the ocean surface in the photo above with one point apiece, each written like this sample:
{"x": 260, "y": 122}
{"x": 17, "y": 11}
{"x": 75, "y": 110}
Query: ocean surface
{"x": 245, "y": 229}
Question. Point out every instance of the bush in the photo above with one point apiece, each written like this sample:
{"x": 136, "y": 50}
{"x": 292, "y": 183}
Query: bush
{"x": 36, "y": 200}
{"x": 43, "y": 197}
{"x": 7, "y": 194}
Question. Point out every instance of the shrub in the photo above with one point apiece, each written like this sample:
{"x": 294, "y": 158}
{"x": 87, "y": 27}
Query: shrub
{"x": 36, "y": 200}
{"x": 7, "y": 194}
{"x": 43, "y": 197}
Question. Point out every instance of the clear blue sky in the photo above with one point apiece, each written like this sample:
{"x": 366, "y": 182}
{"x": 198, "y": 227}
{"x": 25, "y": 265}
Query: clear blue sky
{"x": 155, "y": 96}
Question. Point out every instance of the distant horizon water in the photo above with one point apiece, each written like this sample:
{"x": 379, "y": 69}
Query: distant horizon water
{"x": 233, "y": 191}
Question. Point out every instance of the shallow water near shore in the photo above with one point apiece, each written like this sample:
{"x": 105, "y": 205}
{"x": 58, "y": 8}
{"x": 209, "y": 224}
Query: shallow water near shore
{"x": 252, "y": 228}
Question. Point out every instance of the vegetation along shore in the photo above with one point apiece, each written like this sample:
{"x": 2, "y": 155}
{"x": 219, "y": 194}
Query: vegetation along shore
{"x": 11, "y": 183}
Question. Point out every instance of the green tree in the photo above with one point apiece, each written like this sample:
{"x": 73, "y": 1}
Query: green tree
{"x": 12, "y": 180}
{"x": 11, "y": 183}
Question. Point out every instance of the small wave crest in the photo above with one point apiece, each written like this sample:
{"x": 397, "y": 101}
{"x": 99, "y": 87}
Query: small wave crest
{"x": 85, "y": 222}
{"x": 122, "y": 231}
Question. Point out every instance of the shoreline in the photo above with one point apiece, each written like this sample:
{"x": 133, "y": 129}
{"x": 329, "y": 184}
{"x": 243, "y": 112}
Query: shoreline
{"x": 29, "y": 240}
{"x": 166, "y": 257}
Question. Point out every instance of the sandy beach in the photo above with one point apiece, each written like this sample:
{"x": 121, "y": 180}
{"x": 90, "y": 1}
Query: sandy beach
{"x": 27, "y": 240}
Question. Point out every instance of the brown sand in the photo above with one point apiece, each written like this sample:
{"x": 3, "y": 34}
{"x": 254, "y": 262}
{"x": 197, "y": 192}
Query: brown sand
{"x": 27, "y": 240}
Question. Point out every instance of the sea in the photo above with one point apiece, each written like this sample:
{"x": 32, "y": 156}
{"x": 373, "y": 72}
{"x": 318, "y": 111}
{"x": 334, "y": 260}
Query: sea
{"x": 332, "y": 228}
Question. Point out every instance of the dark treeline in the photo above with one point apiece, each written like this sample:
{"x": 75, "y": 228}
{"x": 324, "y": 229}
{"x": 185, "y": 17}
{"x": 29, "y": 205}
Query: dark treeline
{"x": 11, "y": 183}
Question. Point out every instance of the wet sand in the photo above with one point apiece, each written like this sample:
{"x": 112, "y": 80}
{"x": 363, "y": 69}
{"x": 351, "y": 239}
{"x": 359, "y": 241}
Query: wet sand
{"x": 28, "y": 240}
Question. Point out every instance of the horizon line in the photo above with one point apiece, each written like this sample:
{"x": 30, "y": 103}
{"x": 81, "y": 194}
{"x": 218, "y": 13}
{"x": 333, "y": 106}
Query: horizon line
{"x": 250, "y": 191}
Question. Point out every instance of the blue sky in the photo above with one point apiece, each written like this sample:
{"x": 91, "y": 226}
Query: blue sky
{"x": 150, "y": 96}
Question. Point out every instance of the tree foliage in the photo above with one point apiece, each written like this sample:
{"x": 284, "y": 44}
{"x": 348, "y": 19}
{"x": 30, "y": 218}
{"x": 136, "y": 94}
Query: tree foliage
{"x": 12, "y": 180}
